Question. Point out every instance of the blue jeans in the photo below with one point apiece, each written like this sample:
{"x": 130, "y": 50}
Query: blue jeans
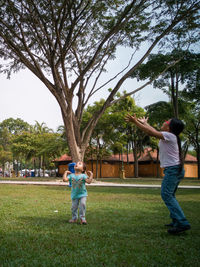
{"x": 169, "y": 186}
{"x": 81, "y": 203}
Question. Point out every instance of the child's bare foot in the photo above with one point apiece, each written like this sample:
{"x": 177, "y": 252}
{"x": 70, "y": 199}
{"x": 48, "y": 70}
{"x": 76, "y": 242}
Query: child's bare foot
{"x": 73, "y": 221}
{"x": 83, "y": 222}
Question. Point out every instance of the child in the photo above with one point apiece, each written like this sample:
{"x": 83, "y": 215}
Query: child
{"x": 171, "y": 161}
{"x": 78, "y": 192}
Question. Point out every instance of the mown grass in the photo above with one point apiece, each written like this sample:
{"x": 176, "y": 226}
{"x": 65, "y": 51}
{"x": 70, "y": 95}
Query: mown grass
{"x": 143, "y": 180}
{"x": 36, "y": 179}
{"x": 149, "y": 180}
{"x": 125, "y": 228}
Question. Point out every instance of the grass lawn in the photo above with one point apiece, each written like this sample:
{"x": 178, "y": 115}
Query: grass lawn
{"x": 125, "y": 228}
{"x": 146, "y": 180}
{"x": 36, "y": 179}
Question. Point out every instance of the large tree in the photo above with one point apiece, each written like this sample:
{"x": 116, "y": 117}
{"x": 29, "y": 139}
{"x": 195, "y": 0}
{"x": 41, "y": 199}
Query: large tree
{"x": 5, "y": 156}
{"x": 67, "y": 44}
{"x": 191, "y": 97}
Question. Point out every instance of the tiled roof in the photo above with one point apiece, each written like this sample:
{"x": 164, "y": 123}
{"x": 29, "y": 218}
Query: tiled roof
{"x": 190, "y": 158}
{"x": 147, "y": 155}
{"x": 64, "y": 157}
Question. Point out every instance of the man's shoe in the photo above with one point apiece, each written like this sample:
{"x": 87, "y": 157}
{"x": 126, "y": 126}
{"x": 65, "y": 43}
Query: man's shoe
{"x": 169, "y": 224}
{"x": 179, "y": 229}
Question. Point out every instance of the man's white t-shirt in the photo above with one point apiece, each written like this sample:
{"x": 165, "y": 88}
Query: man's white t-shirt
{"x": 169, "y": 152}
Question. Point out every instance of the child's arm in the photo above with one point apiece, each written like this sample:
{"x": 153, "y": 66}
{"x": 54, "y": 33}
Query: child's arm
{"x": 65, "y": 178}
{"x": 90, "y": 177}
{"x": 144, "y": 126}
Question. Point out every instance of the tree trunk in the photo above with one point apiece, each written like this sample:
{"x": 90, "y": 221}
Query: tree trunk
{"x": 97, "y": 165}
{"x": 77, "y": 151}
{"x": 198, "y": 159}
{"x": 176, "y": 96}
{"x": 43, "y": 167}
{"x": 136, "y": 167}
{"x": 3, "y": 169}
{"x": 135, "y": 159}
{"x": 100, "y": 167}
{"x": 127, "y": 153}
{"x": 198, "y": 150}
{"x": 157, "y": 164}
{"x": 34, "y": 166}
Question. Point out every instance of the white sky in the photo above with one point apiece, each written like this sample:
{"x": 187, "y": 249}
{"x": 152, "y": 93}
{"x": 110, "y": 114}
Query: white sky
{"x": 24, "y": 96}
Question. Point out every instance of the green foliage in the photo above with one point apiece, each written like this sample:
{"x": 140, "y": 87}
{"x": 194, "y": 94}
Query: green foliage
{"x": 40, "y": 128}
{"x": 5, "y": 138}
{"x": 192, "y": 152}
{"x": 5, "y": 156}
{"x": 86, "y": 23}
{"x": 15, "y": 126}
{"x": 23, "y": 145}
{"x": 183, "y": 75}
{"x": 50, "y": 146}
{"x": 192, "y": 120}
{"x": 111, "y": 130}
{"x": 67, "y": 45}
{"x": 186, "y": 69}
{"x": 28, "y": 143}
{"x": 158, "y": 113}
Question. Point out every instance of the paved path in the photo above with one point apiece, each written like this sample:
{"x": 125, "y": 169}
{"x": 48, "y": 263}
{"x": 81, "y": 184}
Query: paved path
{"x": 96, "y": 183}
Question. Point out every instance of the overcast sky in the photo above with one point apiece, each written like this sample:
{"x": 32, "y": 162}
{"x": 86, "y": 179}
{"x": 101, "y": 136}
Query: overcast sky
{"x": 24, "y": 96}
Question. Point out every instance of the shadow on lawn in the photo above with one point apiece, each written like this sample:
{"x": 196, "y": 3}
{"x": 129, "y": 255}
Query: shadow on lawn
{"x": 101, "y": 215}
{"x": 113, "y": 234}
{"x": 126, "y": 190}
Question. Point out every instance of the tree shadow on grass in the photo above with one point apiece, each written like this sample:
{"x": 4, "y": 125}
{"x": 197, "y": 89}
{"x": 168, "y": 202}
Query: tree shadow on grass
{"x": 115, "y": 236}
{"x": 124, "y": 190}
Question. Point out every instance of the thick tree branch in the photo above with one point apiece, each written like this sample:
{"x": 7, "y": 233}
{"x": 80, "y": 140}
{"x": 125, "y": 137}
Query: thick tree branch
{"x": 119, "y": 24}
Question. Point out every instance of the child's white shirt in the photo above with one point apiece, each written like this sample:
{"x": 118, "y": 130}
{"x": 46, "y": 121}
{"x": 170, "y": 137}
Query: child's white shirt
{"x": 169, "y": 151}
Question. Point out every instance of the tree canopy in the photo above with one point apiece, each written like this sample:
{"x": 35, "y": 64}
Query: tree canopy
{"x": 68, "y": 43}
{"x": 185, "y": 75}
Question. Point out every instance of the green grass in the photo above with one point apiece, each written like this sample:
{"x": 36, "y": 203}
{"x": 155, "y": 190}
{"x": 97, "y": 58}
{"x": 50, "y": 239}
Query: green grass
{"x": 125, "y": 228}
{"x": 36, "y": 179}
{"x": 148, "y": 180}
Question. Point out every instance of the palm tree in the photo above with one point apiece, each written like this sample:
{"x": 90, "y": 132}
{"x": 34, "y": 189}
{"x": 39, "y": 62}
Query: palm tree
{"x": 41, "y": 128}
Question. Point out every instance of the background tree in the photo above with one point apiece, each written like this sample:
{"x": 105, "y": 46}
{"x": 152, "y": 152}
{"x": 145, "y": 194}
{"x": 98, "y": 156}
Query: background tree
{"x": 175, "y": 78}
{"x": 15, "y": 126}
{"x": 157, "y": 114}
{"x": 23, "y": 148}
{"x": 5, "y": 138}
{"x": 9, "y": 128}
{"x": 5, "y": 156}
{"x": 68, "y": 43}
{"x": 48, "y": 147}
{"x": 135, "y": 139}
{"x": 192, "y": 118}
{"x": 126, "y": 137}
{"x": 31, "y": 146}
{"x": 99, "y": 144}
{"x": 39, "y": 129}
